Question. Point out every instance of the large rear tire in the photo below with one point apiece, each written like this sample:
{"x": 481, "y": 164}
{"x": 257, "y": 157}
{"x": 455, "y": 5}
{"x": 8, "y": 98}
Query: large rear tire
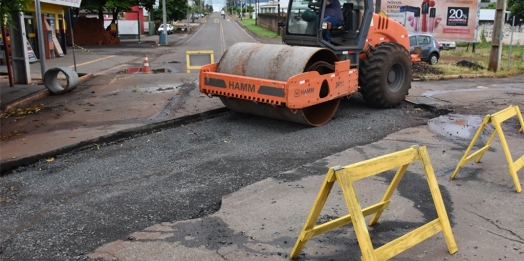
{"x": 385, "y": 75}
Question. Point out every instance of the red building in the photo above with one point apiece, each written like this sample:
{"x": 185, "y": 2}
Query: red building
{"x": 136, "y": 12}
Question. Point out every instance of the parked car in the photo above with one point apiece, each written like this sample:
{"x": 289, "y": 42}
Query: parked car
{"x": 169, "y": 28}
{"x": 447, "y": 45}
{"x": 430, "y": 47}
{"x": 197, "y": 16}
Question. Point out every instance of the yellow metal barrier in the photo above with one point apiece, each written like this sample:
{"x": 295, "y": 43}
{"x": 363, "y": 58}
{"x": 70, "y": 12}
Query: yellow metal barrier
{"x": 496, "y": 119}
{"x": 346, "y": 176}
{"x": 190, "y": 66}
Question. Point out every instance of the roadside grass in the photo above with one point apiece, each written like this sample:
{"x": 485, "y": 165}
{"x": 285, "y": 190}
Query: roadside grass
{"x": 258, "y": 30}
{"x": 481, "y": 57}
{"x": 484, "y": 49}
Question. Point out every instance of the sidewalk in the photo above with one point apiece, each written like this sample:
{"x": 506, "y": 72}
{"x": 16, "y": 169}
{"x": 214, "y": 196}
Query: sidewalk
{"x": 105, "y": 103}
{"x": 87, "y": 63}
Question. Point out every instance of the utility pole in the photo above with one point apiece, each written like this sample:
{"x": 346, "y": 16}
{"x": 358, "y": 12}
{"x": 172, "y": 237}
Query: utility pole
{"x": 163, "y": 34}
{"x": 278, "y": 15}
{"x": 188, "y": 13}
{"x": 496, "y": 39}
{"x": 40, "y": 34}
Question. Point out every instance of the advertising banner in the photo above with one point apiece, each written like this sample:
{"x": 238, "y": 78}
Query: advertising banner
{"x": 455, "y": 20}
{"x": 70, "y": 3}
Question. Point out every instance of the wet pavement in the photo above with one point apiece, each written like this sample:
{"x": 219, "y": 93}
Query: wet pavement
{"x": 262, "y": 221}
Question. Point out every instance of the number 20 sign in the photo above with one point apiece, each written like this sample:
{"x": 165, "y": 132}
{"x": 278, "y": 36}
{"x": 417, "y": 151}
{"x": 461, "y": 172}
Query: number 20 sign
{"x": 457, "y": 16}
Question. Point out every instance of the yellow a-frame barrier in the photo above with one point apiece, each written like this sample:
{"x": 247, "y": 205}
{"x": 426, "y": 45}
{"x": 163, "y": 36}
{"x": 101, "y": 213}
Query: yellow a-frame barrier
{"x": 190, "y": 66}
{"x": 496, "y": 119}
{"x": 346, "y": 176}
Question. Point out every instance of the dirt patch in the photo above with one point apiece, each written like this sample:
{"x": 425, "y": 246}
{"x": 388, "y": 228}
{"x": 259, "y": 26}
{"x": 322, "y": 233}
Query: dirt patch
{"x": 425, "y": 68}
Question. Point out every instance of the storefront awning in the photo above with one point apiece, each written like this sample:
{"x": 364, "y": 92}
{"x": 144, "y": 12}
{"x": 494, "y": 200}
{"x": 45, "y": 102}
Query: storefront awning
{"x": 70, "y": 3}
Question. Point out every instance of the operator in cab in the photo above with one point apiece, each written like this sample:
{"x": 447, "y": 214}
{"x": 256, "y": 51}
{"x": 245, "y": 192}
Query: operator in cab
{"x": 332, "y": 14}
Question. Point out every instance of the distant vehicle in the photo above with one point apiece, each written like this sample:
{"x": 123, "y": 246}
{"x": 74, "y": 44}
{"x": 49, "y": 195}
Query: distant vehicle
{"x": 447, "y": 45}
{"x": 197, "y": 16}
{"x": 430, "y": 47}
{"x": 169, "y": 28}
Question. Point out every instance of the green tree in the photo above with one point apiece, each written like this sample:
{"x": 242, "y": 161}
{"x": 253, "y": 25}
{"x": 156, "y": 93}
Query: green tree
{"x": 491, "y": 6}
{"x": 197, "y": 8}
{"x": 114, "y": 6}
{"x": 516, "y": 7}
{"x": 209, "y": 8}
{"x": 175, "y": 10}
{"x": 94, "y": 6}
{"x": 7, "y": 7}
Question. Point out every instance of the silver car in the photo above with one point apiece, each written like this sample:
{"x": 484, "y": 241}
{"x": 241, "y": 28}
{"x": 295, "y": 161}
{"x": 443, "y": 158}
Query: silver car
{"x": 430, "y": 47}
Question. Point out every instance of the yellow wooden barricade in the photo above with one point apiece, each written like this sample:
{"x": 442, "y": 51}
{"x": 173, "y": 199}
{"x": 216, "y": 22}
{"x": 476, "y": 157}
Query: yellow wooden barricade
{"x": 496, "y": 119}
{"x": 190, "y": 66}
{"x": 346, "y": 176}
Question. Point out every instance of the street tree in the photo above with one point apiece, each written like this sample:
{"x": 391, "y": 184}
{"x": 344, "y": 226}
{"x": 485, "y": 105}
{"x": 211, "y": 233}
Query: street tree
{"x": 93, "y": 6}
{"x": 516, "y": 7}
{"x": 175, "y": 10}
{"x": 8, "y": 7}
{"x": 209, "y": 8}
{"x": 114, "y": 6}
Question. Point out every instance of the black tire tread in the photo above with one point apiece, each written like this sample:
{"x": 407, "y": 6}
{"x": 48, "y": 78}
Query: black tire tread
{"x": 372, "y": 71}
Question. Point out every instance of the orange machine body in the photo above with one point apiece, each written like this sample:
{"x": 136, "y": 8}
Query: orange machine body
{"x": 298, "y": 92}
{"x": 384, "y": 29}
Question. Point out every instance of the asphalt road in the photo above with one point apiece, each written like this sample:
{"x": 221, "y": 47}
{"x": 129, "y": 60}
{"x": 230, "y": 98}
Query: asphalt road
{"x": 63, "y": 209}
{"x": 68, "y": 207}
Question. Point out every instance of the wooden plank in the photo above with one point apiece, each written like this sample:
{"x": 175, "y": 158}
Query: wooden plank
{"x": 521, "y": 120}
{"x": 389, "y": 192}
{"x": 505, "y": 114}
{"x": 408, "y": 240}
{"x": 474, "y": 155}
{"x": 380, "y": 164}
{"x": 318, "y": 205}
{"x": 465, "y": 158}
{"x": 518, "y": 164}
{"x": 507, "y": 153}
{"x": 344, "y": 220}
{"x": 58, "y": 48}
{"x": 359, "y": 224}
{"x": 437, "y": 200}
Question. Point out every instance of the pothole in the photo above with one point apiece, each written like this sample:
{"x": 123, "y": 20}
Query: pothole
{"x": 459, "y": 126}
{"x": 161, "y": 70}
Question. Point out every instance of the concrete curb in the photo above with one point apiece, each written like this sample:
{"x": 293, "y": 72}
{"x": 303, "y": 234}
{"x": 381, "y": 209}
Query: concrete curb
{"x": 38, "y": 95}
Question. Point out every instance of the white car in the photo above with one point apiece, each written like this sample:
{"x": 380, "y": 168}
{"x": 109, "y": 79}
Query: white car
{"x": 447, "y": 45}
{"x": 169, "y": 28}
